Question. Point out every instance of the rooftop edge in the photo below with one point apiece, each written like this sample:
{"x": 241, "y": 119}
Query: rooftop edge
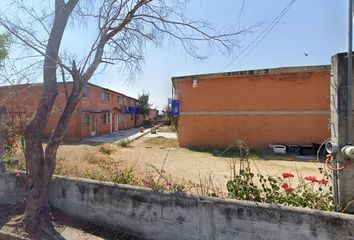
{"x": 256, "y": 72}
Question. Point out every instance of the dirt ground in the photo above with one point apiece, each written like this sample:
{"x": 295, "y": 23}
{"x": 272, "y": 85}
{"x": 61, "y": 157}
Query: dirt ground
{"x": 194, "y": 165}
{"x": 67, "y": 227}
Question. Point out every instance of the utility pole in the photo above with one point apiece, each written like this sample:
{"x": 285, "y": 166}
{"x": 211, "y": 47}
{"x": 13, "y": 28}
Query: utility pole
{"x": 350, "y": 71}
{"x": 341, "y": 103}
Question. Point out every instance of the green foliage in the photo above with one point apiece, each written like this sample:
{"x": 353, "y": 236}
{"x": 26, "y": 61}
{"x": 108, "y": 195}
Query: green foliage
{"x": 310, "y": 192}
{"x": 5, "y": 40}
{"x": 123, "y": 176}
{"x": 158, "y": 180}
{"x": 11, "y": 158}
{"x": 174, "y": 124}
{"x": 143, "y": 103}
{"x": 124, "y": 143}
{"x": 162, "y": 142}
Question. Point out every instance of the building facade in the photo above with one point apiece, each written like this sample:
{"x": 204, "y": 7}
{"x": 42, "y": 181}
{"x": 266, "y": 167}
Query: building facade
{"x": 100, "y": 110}
{"x": 153, "y": 114}
{"x": 261, "y": 107}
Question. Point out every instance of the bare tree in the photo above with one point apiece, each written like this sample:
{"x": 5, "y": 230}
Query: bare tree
{"x": 3, "y": 133}
{"x": 123, "y": 29}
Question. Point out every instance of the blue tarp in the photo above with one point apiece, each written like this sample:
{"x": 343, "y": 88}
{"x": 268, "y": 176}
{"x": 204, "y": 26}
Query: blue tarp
{"x": 131, "y": 110}
{"x": 175, "y": 107}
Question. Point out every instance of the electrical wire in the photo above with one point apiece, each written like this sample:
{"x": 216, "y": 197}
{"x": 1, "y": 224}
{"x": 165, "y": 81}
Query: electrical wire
{"x": 319, "y": 149}
{"x": 329, "y": 159}
{"x": 261, "y": 36}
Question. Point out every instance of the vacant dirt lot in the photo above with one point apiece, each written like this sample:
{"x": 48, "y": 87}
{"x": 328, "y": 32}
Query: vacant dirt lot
{"x": 194, "y": 165}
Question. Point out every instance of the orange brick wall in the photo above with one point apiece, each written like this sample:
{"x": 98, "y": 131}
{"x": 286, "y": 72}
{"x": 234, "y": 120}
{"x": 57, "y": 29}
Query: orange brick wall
{"x": 24, "y": 98}
{"x": 305, "y": 91}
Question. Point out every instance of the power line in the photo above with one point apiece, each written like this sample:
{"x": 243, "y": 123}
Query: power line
{"x": 255, "y": 42}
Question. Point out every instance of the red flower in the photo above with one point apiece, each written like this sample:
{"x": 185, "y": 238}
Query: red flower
{"x": 146, "y": 181}
{"x": 287, "y": 175}
{"x": 311, "y": 179}
{"x": 18, "y": 174}
{"x": 322, "y": 182}
{"x": 287, "y": 187}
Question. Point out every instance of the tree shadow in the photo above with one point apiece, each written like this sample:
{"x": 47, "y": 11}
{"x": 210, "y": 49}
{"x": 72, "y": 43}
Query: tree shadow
{"x": 61, "y": 219}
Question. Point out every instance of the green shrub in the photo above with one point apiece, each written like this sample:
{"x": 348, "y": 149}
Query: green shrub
{"x": 159, "y": 180}
{"x": 309, "y": 193}
{"x": 123, "y": 175}
{"x": 124, "y": 143}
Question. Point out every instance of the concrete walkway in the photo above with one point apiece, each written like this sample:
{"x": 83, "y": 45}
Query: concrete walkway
{"x": 128, "y": 135}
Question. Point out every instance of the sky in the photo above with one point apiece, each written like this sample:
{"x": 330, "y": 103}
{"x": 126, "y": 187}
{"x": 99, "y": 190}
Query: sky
{"x": 315, "y": 27}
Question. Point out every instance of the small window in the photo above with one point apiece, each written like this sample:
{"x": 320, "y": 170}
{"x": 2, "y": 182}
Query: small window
{"x": 120, "y": 100}
{"x": 105, "y": 118}
{"x": 85, "y": 120}
{"x": 105, "y": 97}
{"x": 85, "y": 92}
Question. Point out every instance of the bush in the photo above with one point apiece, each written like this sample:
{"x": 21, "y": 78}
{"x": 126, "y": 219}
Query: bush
{"x": 123, "y": 176}
{"x": 107, "y": 149}
{"x": 158, "y": 180}
{"x": 124, "y": 143}
{"x": 310, "y": 192}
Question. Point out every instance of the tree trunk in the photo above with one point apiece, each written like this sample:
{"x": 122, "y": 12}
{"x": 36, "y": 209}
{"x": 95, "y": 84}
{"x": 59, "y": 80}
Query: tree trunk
{"x": 3, "y": 133}
{"x": 40, "y": 164}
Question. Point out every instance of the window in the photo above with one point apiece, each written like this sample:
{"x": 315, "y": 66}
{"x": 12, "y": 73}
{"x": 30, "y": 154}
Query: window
{"x": 85, "y": 92}
{"x": 85, "y": 119}
{"x": 105, "y": 97}
{"x": 105, "y": 118}
{"x": 120, "y": 100}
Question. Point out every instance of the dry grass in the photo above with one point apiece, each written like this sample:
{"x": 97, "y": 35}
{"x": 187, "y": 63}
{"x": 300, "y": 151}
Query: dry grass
{"x": 198, "y": 166}
{"x": 162, "y": 142}
{"x": 107, "y": 149}
{"x": 167, "y": 129}
{"x": 84, "y": 161}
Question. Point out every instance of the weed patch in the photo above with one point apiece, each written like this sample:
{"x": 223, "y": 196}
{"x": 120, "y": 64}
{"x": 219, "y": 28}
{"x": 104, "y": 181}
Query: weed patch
{"x": 124, "y": 143}
{"x": 162, "y": 142}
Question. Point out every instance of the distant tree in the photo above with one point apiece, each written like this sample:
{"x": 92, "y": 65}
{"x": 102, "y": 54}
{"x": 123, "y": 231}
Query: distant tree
{"x": 4, "y": 46}
{"x": 4, "y": 52}
{"x": 121, "y": 31}
{"x": 167, "y": 111}
{"x": 143, "y": 103}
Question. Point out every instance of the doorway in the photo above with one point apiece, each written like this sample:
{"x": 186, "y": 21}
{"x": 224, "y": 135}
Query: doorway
{"x": 116, "y": 121}
{"x": 93, "y": 130}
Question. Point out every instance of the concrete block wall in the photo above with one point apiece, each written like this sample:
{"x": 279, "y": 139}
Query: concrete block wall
{"x": 9, "y": 190}
{"x": 161, "y": 216}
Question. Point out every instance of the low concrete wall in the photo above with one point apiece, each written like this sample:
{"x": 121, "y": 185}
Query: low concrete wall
{"x": 171, "y": 216}
{"x": 9, "y": 189}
